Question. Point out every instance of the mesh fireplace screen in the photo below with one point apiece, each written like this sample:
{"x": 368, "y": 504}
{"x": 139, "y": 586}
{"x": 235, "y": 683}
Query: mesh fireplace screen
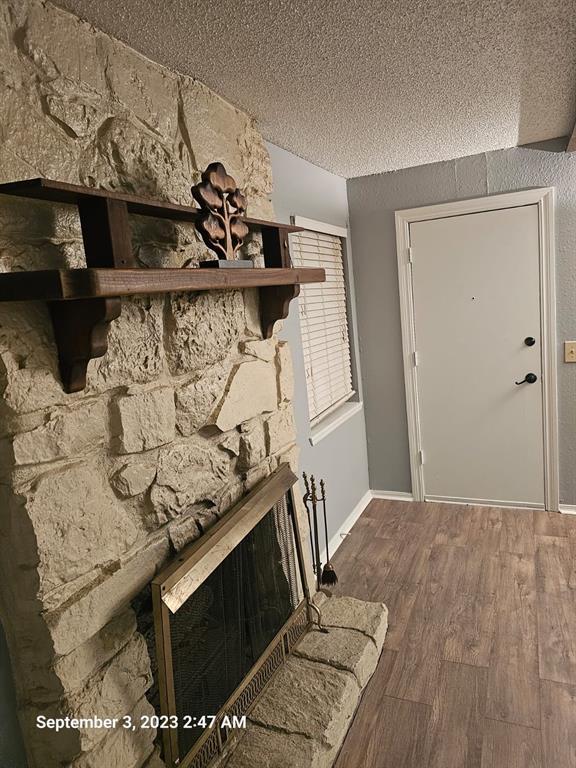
{"x": 230, "y": 634}
{"x": 221, "y": 631}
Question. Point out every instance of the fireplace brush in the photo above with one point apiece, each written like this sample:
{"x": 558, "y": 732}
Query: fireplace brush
{"x": 314, "y": 537}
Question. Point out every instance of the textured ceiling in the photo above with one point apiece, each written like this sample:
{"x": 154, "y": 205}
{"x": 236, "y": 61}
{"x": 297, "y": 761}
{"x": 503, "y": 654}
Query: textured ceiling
{"x": 360, "y": 87}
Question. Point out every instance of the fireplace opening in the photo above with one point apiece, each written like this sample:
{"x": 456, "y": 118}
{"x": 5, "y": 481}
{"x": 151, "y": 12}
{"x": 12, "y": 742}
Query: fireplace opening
{"x": 227, "y": 613}
{"x": 224, "y": 627}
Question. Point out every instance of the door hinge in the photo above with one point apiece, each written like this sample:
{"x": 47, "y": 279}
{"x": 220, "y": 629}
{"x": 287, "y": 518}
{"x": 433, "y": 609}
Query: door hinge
{"x": 421, "y": 456}
{"x": 415, "y": 358}
{"x": 410, "y": 254}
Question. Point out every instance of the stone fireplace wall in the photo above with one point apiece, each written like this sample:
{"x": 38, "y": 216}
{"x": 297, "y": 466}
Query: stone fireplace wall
{"x": 186, "y": 412}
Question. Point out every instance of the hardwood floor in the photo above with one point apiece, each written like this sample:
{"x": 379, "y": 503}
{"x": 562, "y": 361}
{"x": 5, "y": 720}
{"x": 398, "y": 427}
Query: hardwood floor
{"x": 479, "y": 664}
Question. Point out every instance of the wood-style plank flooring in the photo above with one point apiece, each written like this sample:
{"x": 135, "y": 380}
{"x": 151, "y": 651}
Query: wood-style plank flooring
{"x": 479, "y": 664}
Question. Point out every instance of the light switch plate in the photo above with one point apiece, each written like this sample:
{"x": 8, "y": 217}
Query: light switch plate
{"x": 570, "y": 351}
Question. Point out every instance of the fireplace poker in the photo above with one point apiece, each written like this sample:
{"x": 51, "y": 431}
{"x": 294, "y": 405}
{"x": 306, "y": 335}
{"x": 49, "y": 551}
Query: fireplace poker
{"x": 329, "y": 577}
{"x": 305, "y": 499}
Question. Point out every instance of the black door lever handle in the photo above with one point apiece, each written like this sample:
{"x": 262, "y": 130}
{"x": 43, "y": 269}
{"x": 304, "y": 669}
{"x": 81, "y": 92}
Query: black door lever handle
{"x": 530, "y": 378}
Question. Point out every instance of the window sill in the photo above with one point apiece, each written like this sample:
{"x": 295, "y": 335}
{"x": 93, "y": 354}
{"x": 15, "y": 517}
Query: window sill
{"x": 334, "y": 420}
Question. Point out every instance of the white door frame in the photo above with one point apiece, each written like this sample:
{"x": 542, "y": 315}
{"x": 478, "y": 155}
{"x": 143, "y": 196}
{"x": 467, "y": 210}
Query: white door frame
{"x": 543, "y": 197}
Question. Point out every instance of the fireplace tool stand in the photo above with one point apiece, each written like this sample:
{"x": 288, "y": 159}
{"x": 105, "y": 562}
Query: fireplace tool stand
{"x": 325, "y": 576}
{"x": 312, "y": 607}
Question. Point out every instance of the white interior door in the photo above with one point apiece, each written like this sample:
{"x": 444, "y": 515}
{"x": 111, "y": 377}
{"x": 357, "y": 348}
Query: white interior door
{"x": 476, "y": 298}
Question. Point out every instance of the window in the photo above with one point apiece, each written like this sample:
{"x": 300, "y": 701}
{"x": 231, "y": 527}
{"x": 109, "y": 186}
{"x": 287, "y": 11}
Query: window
{"x": 324, "y": 318}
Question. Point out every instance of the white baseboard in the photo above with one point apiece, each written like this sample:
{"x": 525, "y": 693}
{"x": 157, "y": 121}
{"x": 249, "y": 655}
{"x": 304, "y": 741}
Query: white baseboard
{"x": 344, "y": 529}
{"x": 397, "y": 495}
{"x": 485, "y": 502}
{"x": 337, "y": 539}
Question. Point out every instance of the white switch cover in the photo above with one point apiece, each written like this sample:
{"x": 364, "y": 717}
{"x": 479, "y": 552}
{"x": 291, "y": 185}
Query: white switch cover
{"x": 570, "y": 351}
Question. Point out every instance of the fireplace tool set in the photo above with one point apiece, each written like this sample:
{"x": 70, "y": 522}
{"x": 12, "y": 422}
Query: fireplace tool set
{"x": 325, "y": 576}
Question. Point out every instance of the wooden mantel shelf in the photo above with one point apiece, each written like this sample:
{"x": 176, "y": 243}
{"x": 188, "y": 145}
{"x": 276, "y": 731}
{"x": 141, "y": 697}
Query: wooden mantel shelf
{"x": 83, "y": 302}
{"x": 69, "y": 284}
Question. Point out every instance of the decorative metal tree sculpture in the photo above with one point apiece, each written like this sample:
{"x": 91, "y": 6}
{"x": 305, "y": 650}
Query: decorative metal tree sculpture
{"x": 223, "y": 206}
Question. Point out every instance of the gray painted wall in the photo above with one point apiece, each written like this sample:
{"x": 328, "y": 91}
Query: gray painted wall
{"x": 372, "y": 202}
{"x": 303, "y": 189}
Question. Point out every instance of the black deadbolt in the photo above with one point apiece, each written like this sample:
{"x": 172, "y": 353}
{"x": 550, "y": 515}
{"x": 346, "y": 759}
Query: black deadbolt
{"x": 529, "y": 341}
{"x": 530, "y": 378}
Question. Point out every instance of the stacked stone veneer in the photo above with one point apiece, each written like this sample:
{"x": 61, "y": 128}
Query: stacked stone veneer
{"x": 186, "y": 412}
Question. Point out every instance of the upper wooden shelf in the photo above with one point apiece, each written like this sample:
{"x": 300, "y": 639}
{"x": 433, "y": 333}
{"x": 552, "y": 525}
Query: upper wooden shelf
{"x": 83, "y": 302}
{"x": 73, "y": 194}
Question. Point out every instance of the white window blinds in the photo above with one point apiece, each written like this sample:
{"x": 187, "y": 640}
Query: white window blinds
{"x": 324, "y": 322}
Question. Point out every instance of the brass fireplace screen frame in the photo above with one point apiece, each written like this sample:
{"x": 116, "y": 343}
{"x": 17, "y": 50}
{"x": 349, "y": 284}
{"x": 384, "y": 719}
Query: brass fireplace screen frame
{"x": 173, "y": 586}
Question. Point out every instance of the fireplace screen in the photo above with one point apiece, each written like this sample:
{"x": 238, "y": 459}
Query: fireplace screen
{"x": 227, "y": 613}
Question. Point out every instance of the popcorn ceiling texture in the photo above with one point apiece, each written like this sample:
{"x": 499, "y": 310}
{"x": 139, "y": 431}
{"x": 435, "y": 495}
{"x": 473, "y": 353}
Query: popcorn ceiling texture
{"x": 364, "y": 87}
{"x": 186, "y": 412}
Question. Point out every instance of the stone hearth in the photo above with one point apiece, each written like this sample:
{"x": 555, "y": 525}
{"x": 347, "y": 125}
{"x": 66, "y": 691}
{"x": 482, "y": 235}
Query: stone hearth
{"x": 304, "y": 714}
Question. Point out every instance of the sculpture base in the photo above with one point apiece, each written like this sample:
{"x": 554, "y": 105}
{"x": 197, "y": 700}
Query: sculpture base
{"x": 227, "y": 264}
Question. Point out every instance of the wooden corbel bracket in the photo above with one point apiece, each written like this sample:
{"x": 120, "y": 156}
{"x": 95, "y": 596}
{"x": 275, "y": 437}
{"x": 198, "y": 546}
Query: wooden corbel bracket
{"x": 81, "y": 325}
{"x": 275, "y": 305}
{"x": 275, "y": 300}
{"x": 81, "y": 334}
